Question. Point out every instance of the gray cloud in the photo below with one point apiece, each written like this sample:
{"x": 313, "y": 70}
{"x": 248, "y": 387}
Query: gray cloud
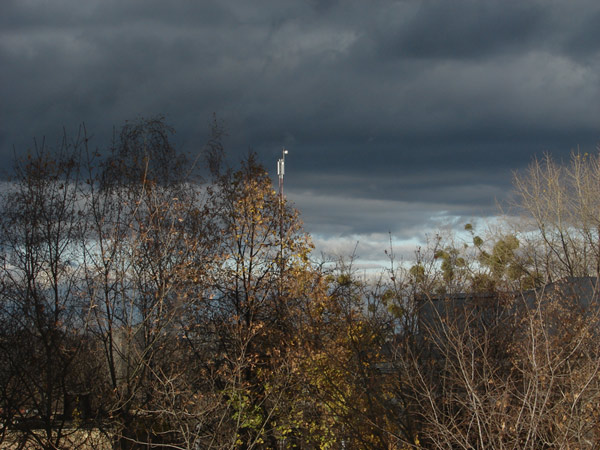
{"x": 430, "y": 104}
{"x": 467, "y": 29}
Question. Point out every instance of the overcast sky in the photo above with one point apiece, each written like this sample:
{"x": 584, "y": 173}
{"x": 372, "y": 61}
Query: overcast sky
{"x": 400, "y": 116}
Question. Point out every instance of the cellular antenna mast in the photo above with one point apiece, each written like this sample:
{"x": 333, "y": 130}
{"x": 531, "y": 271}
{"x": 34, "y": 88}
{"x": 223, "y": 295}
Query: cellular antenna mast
{"x": 281, "y": 172}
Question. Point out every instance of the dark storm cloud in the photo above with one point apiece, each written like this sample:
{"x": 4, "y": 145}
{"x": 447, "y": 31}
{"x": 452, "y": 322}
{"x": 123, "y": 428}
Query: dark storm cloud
{"x": 429, "y": 103}
{"x": 467, "y": 29}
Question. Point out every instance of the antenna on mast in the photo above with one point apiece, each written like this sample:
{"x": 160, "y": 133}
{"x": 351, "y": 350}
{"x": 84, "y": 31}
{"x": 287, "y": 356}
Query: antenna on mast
{"x": 281, "y": 172}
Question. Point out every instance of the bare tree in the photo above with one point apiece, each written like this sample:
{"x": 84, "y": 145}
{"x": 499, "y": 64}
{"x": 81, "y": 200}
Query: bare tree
{"x": 42, "y": 229}
{"x": 562, "y": 202}
{"x": 509, "y": 372}
{"x": 147, "y": 250}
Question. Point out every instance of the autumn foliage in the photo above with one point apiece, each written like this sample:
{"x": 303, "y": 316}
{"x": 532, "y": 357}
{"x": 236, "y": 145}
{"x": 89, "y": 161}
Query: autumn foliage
{"x": 150, "y": 300}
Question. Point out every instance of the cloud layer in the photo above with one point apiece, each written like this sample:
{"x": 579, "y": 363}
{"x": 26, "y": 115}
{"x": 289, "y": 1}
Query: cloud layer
{"x": 394, "y": 111}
